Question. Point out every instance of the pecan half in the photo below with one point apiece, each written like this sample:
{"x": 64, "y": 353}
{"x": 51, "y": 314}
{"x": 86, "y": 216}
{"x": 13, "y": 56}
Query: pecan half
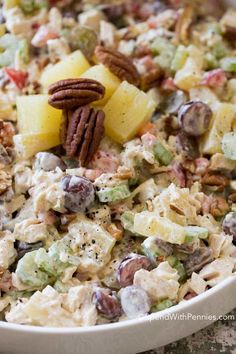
{"x": 81, "y": 133}
{"x": 119, "y": 64}
{"x": 74, "y": 93}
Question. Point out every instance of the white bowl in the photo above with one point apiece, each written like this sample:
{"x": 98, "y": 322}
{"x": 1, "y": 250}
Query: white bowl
{"x": 125, "y": 337}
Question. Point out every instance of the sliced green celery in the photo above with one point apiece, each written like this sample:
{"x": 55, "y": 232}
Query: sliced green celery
{"x": 175, "y": 263}
{"x": 29, "y": 273}
{"x": 162, "y": 305}
{"x": 29, "y": 6}
{"x": 162, "y": 154}
{"x": 229, "y": 64}
{"x": 180, "y": 58}
{"x": 127, "y": 220}
{"x": 229, "y": 145}
{"x": 163, "y": 51}
{"x": 195, "y": 232}
{"x": 113, "y": 194}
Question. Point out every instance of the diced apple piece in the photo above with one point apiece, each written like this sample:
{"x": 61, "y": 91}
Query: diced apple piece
{"x": 189, "y": 76}
{"x": 27, "y": 145}
{"x": 91, "y": 18}
{"x": 70, "y": 67}
{"x": 204, "y": 94}
{"x": 126, "y": 111}
{"x": 106, "y": 78}
{"x": 222, "y": 121}
{"x": 35, "y": 115}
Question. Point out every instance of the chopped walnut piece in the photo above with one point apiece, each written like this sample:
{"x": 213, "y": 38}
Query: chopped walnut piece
{"x": 5, "y": 181}
{"x": 232, "y": 197}
{"x": 5, "y": 281}
{"x": 228, "y": 24}
{"x": 219, "y": 163}
{"x": 189, "y": 166}
{"x": 66, "y": 219}
{"x": 149, "y": 205}
{"x": 124, "y": 173}
{"x": 142, "y": 50}
{"x": 215, "y": 180}
{"x": 219, "y": 206}
{"x": 116, "y": 230}
{"x": 33, "y": 88}
{"x": 6, "y": 155}
{"x": 7, "y": 132}
{"x": 151, "y": 79}
{"x": 183, "y": 23}
{"x": 202, "y": 165}
{"x": 2, "y": 270}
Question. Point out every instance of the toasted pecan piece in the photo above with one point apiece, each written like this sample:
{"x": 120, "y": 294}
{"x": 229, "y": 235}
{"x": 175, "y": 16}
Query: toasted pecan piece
{"x": 215, "y": 180}
{"x": 151, "y": 79}
{"x": 219, "y": 206}
{"x": 183, "y": 24}
{"x": 228, "y": 25}
{"x": 82, "y": 132}
{"x": 7, "y": 131}
{"x": 74, "y": 93}
{"x": 5, "y": 181}
{"x": 116, "y": 230}
{"x": 232, "y": 198}
{"x": 119, "y": 64}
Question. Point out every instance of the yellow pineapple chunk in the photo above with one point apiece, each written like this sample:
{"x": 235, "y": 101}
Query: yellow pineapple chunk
{"x": 150, "y": 224}
{"x": 126, "y": 111}
{"x": 2, "y": 30}
{"x": 106, "y": 78}
{"x": 222, "y": 121}
{"x": 71, "y": 67}
{"x": 35, "y": 115}
{"x": 27, "y": 145}
{"x": 8, "y": 4}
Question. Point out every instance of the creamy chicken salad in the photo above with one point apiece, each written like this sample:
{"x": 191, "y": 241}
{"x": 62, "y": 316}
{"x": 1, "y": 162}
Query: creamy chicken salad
{"x": 117, "y": 157}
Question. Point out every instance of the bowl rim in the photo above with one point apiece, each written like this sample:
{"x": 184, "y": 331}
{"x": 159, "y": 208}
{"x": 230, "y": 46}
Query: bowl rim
{"x": 182, "y": 306}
